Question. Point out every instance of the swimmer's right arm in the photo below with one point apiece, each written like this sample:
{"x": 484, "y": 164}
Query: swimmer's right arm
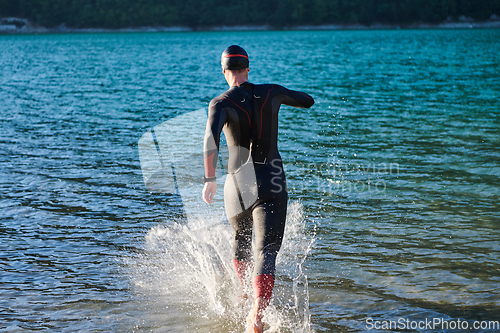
{"x": 296, "y": 99}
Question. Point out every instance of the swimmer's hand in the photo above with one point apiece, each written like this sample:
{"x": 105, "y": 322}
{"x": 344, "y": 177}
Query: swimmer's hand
{"x": 209, "y": 191}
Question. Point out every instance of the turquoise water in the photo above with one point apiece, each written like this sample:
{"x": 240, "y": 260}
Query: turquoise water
{"x": 393, "y": 177}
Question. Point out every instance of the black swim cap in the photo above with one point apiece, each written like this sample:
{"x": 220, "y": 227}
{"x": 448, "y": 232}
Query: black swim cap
{"x": 234, "y": 58}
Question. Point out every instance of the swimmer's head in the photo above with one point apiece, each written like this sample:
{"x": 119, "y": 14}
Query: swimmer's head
{"x": 234, "y": 58}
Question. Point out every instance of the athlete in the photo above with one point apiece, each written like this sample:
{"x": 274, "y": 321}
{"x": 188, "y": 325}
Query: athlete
{"x": 255, "y": 194}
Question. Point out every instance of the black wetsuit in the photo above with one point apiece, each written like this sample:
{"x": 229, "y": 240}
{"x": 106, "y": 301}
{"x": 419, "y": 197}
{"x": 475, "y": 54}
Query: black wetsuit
{"x": 255, "y": 191}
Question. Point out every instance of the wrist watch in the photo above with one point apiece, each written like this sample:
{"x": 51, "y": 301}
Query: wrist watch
{"x": 208, "y": 179}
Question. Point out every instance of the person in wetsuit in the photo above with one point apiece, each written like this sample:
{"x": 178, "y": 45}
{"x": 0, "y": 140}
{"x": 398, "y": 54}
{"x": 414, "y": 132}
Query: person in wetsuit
{"x": 255, "y": 193}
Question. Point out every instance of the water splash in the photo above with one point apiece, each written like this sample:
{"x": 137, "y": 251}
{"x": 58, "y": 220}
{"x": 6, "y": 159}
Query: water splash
{"x": 186, "y": 269}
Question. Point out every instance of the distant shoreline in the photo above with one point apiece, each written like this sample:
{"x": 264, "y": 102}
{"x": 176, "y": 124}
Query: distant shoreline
{"x": 13, "y": 26}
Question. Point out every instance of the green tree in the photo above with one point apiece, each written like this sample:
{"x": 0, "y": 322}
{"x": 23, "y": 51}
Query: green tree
{"x": 206, "y": 13}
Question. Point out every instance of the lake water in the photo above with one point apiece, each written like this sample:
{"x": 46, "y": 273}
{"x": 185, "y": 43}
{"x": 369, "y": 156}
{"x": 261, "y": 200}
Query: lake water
{"x": 393, "y": 176}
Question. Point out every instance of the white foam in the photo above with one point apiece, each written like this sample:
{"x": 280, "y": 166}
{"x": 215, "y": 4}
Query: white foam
{"x": 187, "y": 268}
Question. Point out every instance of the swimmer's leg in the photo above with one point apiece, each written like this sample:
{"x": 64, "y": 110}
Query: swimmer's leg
{"x": 242, "y": 249}
{"x": 269, "y": 224}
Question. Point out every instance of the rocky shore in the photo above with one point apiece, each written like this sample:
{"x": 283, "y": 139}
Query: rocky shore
{"x": 13, "y": 25}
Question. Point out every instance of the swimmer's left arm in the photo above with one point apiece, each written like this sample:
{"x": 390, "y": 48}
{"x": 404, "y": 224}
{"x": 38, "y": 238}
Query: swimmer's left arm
{"x": 215, "y": 122}
{"x": 208, "y": 192}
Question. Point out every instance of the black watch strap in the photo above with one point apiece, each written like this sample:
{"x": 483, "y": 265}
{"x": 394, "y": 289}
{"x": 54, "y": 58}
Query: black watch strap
{"x": 208, "y": 179}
